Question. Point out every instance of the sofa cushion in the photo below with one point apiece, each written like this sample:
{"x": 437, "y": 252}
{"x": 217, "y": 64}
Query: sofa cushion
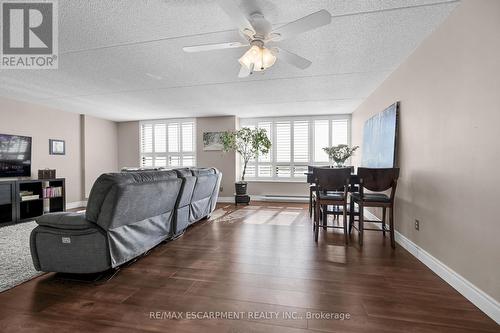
{"x": 205, "y": 186}
{"x": 203, "y": 171}
{"x": 64, "y": 220}
{"x": 183, "y": 172}
{"x": 105, "y": 182}
{"x": 133, "y": 202}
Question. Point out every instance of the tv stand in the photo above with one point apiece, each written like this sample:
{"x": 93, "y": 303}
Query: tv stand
{"x": 16, "y": 207}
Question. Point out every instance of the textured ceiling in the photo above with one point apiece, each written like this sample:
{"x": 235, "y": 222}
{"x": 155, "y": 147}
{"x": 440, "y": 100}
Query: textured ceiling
{"x": 123, "y": 60}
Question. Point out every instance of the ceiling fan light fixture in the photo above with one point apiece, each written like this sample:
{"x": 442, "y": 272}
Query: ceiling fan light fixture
{"x": 261, "y": 58}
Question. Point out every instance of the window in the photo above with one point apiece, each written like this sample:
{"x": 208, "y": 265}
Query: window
{"x": 297, "y": 143}
{"x": 168, "y": 143}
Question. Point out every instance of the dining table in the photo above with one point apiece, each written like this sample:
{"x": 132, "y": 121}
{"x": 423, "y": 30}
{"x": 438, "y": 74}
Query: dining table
{"x": 354, "y": 182}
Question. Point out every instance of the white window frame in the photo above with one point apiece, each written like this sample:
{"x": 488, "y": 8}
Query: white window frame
{"x": 244, "y": 122}
{"x": 167, "y": 154}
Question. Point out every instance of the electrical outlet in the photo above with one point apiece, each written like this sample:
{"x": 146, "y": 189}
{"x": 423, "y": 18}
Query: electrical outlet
{"x": 417, "y": 225}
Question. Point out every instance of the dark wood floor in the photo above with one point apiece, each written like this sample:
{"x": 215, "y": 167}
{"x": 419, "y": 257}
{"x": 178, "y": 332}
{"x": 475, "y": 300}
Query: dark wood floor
{"x": 260, "y": 258}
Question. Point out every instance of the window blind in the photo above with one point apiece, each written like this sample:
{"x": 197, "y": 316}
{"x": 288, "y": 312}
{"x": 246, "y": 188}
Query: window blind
{"x": 296, "y": 143}
{"x": 168, "y": 143}
{"x": 321, "y": 140}
{"x": 301, "y": 141}
{"x": 339, "y": 131}
{"x": 283, "y": 141}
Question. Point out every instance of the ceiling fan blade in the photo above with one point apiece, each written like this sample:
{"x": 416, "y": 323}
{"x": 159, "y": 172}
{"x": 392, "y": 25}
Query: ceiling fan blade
{"x": 245, "y": 71}
{"x": 237, "y": 15}
{"x": 293, "y": 59}
{"x": 301, "y": 25}
{"x": 211, "y": 47}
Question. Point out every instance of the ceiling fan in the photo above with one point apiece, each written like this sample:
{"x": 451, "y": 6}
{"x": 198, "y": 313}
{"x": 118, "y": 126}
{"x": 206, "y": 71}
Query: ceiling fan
{"x": 258, "y": 32}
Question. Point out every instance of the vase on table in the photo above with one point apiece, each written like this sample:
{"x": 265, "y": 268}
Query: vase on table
{"x": 337, "y": 163}
{"x": 339, "y": 154}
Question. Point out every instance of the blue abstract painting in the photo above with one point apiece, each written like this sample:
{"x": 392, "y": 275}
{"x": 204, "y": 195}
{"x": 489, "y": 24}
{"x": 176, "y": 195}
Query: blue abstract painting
{"x": 380, "y": 138}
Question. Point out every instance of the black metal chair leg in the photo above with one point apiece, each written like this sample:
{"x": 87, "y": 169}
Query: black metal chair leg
{"x": 310, "y": 203}
{"x": 314, "y": 213}
{"x": 324, "y": 217}
{"x": 316, "y": 222}
{"x": 383, "y": 221}
{"x": 346, "y": 234}
{"x": 351, "y": 215}
{"x": 391, "y": 224}
{"x": 360, "y": 225}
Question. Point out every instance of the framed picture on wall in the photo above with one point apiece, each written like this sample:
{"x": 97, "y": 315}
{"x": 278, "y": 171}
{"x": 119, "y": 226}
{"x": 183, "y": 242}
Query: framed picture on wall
{"x": 212, "y": 141}
{"x": 57, "y": 147}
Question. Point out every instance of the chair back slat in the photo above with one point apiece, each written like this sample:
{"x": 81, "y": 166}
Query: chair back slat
{"x": 331, "y": 179}
{"x": 310, "y": 172}
{"x": 378, "y": 179}
{"x": 310, "y": 178}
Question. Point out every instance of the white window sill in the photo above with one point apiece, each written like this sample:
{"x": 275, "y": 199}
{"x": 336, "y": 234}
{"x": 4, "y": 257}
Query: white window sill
{"x": 286, "y": 180}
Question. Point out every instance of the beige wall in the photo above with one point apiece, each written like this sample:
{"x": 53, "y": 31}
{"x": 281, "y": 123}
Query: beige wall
{"x": 449, "y": 90}
{"x": 91, "y": 143}
{"x": 278, "y": 188}
{"x": 129, "y": 144}
{"x": 225, "y": 162}
{"x": 42, "y": 124}
{"x": 101, "y": 149}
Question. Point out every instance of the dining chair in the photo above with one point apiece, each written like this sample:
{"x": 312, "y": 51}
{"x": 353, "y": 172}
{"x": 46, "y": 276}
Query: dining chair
{"x": 332, "y": 186}
{"x": 311, "y": 176}
{"x": 337, "y": 211}
{"x": 312, "y": 187}
{"x": 375, "y": 180}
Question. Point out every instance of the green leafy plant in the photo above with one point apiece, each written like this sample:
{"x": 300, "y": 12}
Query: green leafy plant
{"x": 248, "y": 143}
{"x": 340, "y": 153}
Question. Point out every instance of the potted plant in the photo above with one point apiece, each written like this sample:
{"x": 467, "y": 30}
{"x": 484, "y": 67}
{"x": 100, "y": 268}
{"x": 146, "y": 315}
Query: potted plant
{"x": 339, "y": 154}
{"x": 249, "y": 143}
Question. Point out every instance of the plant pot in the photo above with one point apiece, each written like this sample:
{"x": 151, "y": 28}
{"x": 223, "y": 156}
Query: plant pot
{"x": 241, "y": 188}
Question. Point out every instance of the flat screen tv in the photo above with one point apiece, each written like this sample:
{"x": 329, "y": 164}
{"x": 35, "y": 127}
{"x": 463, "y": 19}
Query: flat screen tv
{"x": 15, "y": 156}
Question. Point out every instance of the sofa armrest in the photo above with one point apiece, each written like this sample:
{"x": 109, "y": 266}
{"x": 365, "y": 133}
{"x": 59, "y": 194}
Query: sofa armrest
{"x": 63, "y": 220}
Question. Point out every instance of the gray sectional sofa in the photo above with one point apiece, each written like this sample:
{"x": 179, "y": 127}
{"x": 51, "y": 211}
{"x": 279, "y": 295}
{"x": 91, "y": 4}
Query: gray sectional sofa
{"x": 127, "y": 214}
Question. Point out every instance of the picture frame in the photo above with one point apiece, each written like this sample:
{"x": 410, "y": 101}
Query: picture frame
{"x": 212, "y": 141}
{"x": 57, "y": 147}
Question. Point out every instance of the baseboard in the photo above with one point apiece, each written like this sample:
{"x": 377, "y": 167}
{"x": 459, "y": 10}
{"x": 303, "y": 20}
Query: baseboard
{"x": 476, "y": 296}
{"x": 274, "y": 198}
{"x": 280, "y": 198}
{"x": 479, "y": 298}
{"x": 76, "y": 204}
{"x": 225, "y": 199}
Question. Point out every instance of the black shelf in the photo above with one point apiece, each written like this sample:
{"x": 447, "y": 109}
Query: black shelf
{"x": 13, "y": 209}
{"x": 7, "y": 202}
{"x": 30, "y": 209}
{"x": 55, "y": 203}
{"x": 6, "y": 213}
{"x": 33, "y": 208}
